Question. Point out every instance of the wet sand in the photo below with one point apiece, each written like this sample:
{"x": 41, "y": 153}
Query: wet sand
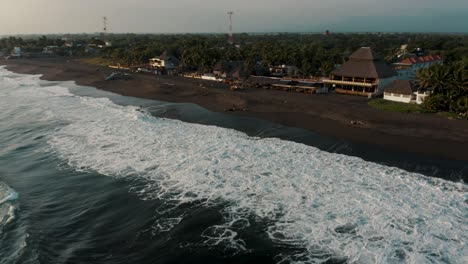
{"x": 329, "y": 114}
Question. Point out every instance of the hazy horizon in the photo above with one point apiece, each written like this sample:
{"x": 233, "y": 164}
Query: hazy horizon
{"x": 261, "y": 16}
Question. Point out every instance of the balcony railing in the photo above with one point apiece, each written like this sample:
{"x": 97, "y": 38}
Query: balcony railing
{"x": 343, "y": 91}
{"x": 361, "y": 84}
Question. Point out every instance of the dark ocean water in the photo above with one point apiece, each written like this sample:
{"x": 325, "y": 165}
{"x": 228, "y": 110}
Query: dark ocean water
{"x": 92, "y": 177}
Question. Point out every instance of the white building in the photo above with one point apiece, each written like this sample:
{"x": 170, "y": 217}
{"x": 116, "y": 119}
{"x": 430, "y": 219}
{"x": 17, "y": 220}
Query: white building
{"x": 408, "y": 67}
{"x": 16, "y": 52}
{"x": 164, "y": 61}
{"x": 404, "y": 91}
{"x": 50, "y": 49}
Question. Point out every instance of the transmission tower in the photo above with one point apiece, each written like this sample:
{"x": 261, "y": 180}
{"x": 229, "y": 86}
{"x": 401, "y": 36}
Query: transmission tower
{"x": 231, "y": 38}
{"x": 104, "y": 25}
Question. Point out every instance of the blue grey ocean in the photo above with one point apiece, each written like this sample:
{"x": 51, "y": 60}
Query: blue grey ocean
{"x": 91, "y": 177}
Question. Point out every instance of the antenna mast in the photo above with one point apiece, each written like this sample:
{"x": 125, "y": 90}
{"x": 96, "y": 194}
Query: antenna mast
{"x": 231, "y": 38}
{"x": 104, "y": 24}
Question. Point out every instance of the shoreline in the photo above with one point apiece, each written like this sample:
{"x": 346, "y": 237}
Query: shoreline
{"x": 329, "y": 115}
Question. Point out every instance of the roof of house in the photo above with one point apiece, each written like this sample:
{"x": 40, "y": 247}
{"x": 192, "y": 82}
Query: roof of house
{"x": 401, "y": 87}
{"x": 365, "y": 53}
{"x": 423, "y": 59}
{"x": 365, "y": 63}
{"x": 167, "y": 56}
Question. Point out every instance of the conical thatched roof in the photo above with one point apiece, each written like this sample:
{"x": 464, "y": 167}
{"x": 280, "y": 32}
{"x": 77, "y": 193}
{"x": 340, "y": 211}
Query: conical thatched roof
{"x": 365, "y": 63}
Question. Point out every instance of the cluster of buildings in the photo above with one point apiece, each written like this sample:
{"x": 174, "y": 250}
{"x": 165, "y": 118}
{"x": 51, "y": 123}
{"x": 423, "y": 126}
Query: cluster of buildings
{"x": 67, "y": 49}
{"x": 168, "y": 64}
{"x": 366, "y": 74}
{"x": 234, "y": 72}
{"x": 16, "y": 52}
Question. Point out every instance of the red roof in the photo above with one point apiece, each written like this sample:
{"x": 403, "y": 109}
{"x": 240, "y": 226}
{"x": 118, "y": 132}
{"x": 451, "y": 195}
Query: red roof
{"x": 422, "y": 59}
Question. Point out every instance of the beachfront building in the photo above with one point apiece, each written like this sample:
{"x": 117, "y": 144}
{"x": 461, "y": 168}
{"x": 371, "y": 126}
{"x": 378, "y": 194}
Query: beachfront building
{"x": 50, "y": 50}
{"x": 165, "y": 61}
{"x": 408, "y": 67}
{"x": 364, "y": 74}
{"x": 16, "y": 52}
{"x": 405, "y": 91}
{"x": 231, "y": 70}
{"x": 282, "y": 70}
{"x": 225, "y": 69}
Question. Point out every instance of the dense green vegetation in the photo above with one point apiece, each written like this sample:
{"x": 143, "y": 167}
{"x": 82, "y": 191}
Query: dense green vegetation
{"x": 393, "y": 106}
{"x": 449, "y": 86}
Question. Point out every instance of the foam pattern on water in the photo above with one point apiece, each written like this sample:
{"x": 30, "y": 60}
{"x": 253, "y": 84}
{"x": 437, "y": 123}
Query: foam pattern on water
{"x": 335, "y": 206}
{"x": 7, "y": 205}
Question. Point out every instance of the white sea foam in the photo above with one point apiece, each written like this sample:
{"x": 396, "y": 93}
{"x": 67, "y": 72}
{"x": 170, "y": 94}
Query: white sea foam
{"x": 334, "y": 206}
{"x": 7, "y": 207}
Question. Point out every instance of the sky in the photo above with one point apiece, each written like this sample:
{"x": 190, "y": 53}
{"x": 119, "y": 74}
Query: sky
{"x": 209, "y": 16}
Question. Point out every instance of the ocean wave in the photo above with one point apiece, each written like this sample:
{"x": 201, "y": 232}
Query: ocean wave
{"x": 335, "y": 206}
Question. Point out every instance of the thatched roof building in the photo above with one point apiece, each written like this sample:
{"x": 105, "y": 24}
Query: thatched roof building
{"x": 365, "y": 63}
{"x": 404, "y": 91}
{"x": 365, "y": 73}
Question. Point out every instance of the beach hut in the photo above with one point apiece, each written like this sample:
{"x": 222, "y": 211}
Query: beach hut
{"x": 401, "y": 91}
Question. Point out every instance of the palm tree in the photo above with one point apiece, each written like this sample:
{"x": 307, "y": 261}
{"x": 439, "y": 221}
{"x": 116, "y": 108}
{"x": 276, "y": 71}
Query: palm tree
{"x": 440, "y": 76}
{"x": 436, "y": 77}
{"x": 306, "y": 67}
{"x": 459, "y": 78}
{"x": 424, "y": 78}
{"x": 326, "y": 68}
{"x": 457, "y": 88}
